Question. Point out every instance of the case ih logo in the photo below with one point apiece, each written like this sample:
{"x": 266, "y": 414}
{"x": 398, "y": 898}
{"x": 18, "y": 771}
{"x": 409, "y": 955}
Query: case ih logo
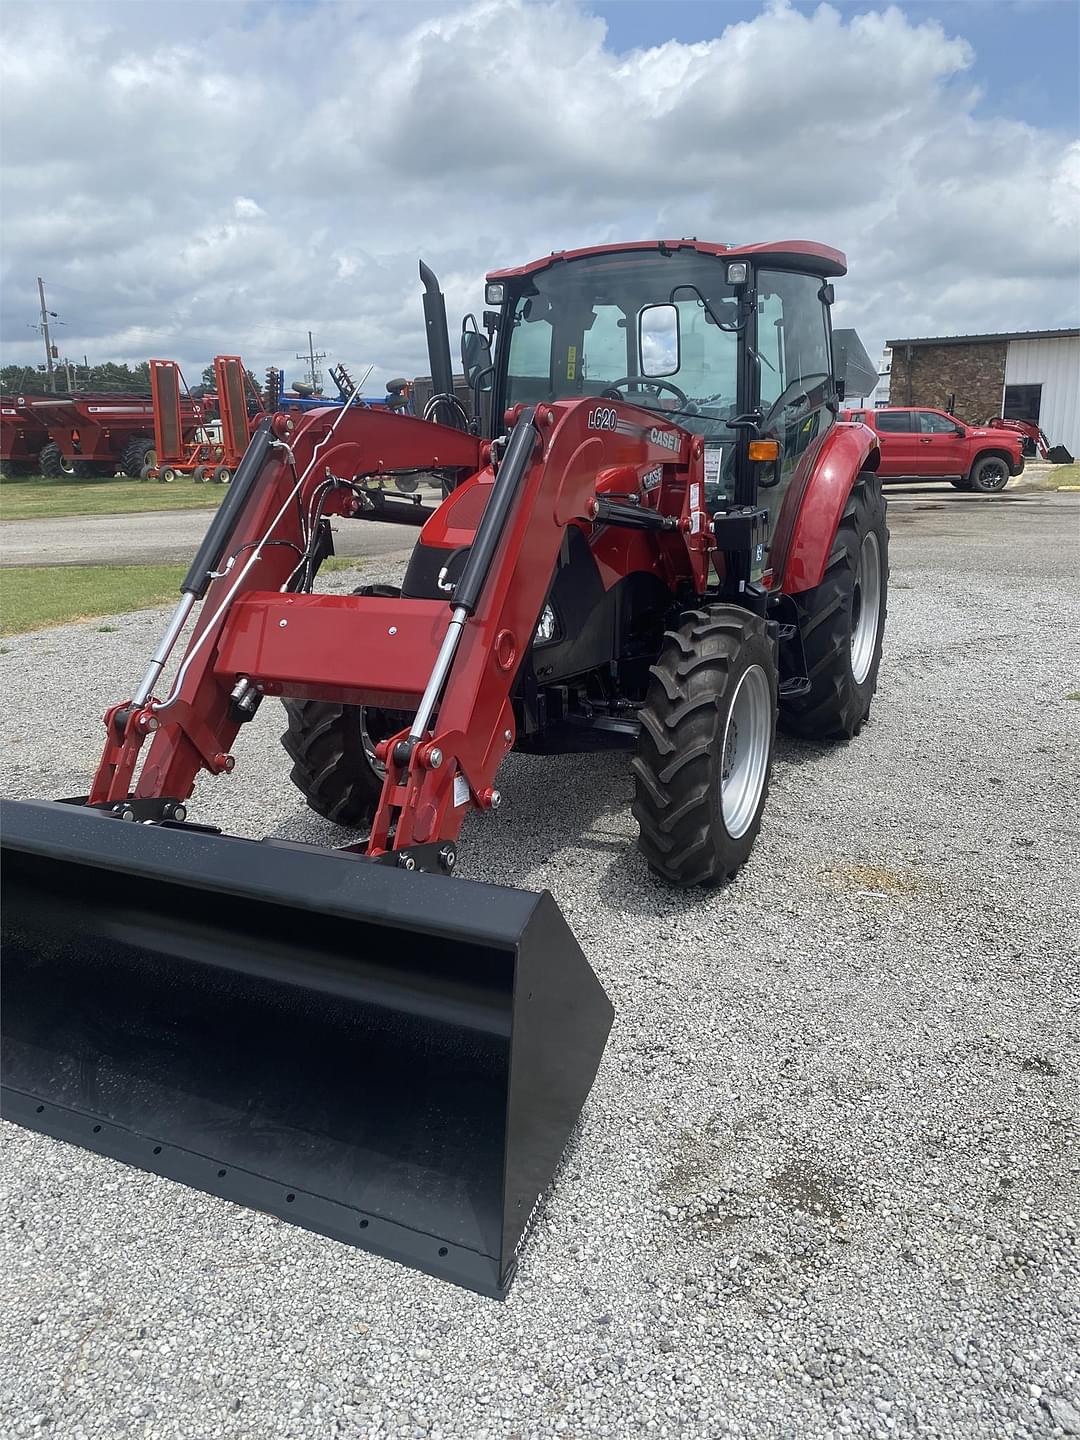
{"x": 603, "y": 418}
{"x": 666, "y": 439}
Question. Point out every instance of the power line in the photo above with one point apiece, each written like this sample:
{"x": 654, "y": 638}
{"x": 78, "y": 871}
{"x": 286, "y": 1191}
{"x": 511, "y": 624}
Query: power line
{"x": 43, "y": 328}
{"x": 311, "y": 357}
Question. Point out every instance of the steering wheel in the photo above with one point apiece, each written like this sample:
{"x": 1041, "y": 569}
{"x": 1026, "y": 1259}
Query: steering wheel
{"x": 797, "y": 390}
{"x": 649, "y": 381}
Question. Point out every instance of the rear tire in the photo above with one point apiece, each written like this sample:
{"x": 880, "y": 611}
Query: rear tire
{"x": 136, "y": 454}
{"x": 989, "y": 475}
{"x": 50, "y": 461}
{"x": 842, "y": 621}
{"x": 166, "y": 474}
{"x": 222, "y": 475}
{"x": 701, "y": 774}
{"x": 201, "y": 474}
{"x": 332, "y": 766}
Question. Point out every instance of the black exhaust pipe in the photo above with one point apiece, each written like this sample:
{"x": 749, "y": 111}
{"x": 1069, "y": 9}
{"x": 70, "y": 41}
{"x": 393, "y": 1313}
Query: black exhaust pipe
{"x": 438, "y": 343}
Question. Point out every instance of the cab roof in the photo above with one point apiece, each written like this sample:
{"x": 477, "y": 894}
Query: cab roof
{"x": 805, "y": 255}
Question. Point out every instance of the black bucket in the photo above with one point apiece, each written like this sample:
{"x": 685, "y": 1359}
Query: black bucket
{"x": 393, "y": 1059}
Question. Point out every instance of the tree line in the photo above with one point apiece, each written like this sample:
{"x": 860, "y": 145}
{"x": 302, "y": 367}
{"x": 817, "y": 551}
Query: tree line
{"x": 109, "y": 378}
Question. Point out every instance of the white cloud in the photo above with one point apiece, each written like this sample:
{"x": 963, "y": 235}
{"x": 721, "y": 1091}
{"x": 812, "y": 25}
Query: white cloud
{"x": 482, "y": 135}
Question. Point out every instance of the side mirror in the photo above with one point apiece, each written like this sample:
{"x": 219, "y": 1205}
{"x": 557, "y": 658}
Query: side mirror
{"x": 476, "y": 359}
{"x": 658, "y": 340}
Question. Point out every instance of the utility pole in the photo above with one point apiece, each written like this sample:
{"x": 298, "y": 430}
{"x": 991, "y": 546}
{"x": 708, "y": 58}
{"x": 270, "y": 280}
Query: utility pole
{"x": 311, "y": 357}
{"x": 45, "y": 331}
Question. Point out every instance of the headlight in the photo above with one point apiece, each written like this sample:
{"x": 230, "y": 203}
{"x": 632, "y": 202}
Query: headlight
{"x": 737, "y": 272}
{"x": 494, "y": 291}
{"x": 547, "y": 628}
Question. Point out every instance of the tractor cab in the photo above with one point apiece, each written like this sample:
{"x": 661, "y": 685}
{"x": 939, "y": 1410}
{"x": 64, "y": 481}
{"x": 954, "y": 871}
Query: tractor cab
{"x": 730, "y": 344}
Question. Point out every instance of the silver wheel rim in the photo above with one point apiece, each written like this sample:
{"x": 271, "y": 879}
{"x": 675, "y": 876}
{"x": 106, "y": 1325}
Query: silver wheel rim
{"x": 865, "y": 608}
{"x": 745, "y": 753}
{"x": 369, "y": 744}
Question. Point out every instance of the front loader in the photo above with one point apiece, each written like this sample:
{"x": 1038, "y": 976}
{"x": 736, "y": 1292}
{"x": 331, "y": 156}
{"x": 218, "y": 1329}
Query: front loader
{"x": 659, "y": 539}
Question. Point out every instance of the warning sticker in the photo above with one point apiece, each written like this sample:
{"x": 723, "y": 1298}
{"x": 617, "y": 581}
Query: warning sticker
{"x": 714, "y": 459}
{"x": 695, "y": 497}
{"x": 461, "y": 790}
{"x": 571, "y": 362}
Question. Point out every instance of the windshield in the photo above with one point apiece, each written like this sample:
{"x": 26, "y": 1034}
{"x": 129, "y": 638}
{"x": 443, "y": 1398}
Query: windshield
{"x": 578, "y": 329}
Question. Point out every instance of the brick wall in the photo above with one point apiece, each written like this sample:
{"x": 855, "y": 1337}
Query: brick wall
{"x": 976, "y": 373}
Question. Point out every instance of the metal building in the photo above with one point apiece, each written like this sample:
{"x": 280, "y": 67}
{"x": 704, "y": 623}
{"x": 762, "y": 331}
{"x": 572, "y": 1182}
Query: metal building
{"x": 1027, "y": 375}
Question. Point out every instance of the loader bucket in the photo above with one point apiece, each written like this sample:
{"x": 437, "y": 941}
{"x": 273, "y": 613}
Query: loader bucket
{"x": 393, "y": 1059}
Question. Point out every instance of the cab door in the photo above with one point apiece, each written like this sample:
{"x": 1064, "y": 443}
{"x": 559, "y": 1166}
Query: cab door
{"x": 942, "y": 445}
{"x": 898, "y": 442}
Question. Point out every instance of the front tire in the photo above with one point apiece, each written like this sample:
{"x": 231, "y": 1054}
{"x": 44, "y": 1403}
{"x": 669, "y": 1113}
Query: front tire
{"x": 331, "y": 748}
{"x": 989, "y": 475}
{"x": 842, "y": 622}
{"x": 701, "y": 774}
{"x": 51, "y": 461}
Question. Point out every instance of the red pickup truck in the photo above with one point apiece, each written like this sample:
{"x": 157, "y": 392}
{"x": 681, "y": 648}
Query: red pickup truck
{"x": 931, "y": 445}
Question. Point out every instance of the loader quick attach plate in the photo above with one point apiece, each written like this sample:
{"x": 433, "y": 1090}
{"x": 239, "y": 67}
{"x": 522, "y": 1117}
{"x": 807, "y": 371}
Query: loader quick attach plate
{"x": 393, "y": 1059}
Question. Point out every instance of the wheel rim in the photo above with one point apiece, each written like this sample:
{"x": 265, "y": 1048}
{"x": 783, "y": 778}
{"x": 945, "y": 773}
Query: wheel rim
{"x": 995, "y": 475}
{"x": 66, "y": 465}
{"x": 865, "y": 607}
{"x": 745, "y": 754}
{"x": 369, "y": 744}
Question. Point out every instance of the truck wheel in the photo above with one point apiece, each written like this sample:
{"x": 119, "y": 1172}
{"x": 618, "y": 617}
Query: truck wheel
{"x": 136, "y": 454}
{"x": 842, "y": 621}
{"x": 50, "y": 461}
{"x": 701, "y": 772}
{"x": 989, "y": 475}
{"x": 332, "y": 750}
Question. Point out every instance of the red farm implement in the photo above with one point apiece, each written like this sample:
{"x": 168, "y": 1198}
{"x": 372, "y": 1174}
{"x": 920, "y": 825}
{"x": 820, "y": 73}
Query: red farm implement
{"x": 202, "y": 455}
{"x": 1036, "y": 441}
{"x": 101, "y": 434}
{"x": 23, "y": 436}
{"x": 660, "y": 541}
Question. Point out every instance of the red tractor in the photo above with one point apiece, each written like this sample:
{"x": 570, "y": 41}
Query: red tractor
{"x": 659, "y": 539}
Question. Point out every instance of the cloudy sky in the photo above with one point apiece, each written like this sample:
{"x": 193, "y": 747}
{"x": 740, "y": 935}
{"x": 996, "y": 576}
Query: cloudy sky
{"x": 198, "y": 178}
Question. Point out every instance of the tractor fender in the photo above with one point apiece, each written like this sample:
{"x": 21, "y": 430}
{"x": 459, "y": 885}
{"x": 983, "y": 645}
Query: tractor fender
{"x": 815, "y": 502}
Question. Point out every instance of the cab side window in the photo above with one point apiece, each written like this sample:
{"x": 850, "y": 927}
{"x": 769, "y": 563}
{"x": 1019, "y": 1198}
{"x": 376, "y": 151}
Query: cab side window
{"x": 894, "y": 422}
{"x": 794, "y": 364}
{"x": 932, "y": 424}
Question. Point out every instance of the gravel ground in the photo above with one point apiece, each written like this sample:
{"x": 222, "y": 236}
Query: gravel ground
{"x": 827, "y": 1181}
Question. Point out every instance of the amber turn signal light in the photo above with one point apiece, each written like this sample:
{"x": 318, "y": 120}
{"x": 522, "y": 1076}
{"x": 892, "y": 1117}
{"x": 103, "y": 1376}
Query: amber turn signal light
{"x": 764, "y": 449}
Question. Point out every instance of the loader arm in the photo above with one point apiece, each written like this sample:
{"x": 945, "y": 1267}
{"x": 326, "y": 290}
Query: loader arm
{"x": 255, "y": 635}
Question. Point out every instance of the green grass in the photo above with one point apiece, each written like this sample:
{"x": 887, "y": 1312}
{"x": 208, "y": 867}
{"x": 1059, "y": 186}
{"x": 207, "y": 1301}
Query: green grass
{"x": 32, "y": 497}
{"x": 1049, "y": 477}
{"x": 35, "y": 597}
